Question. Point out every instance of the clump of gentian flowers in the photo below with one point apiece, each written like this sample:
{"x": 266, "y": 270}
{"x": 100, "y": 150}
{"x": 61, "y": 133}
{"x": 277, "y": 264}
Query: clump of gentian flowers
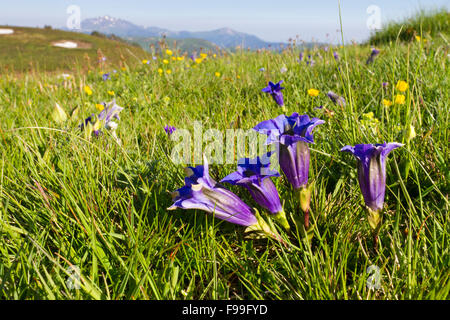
{"x": 291, "y": 136}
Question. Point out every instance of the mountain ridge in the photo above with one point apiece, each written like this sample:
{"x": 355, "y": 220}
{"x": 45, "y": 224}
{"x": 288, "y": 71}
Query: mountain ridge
{"x": 223, "y": 37}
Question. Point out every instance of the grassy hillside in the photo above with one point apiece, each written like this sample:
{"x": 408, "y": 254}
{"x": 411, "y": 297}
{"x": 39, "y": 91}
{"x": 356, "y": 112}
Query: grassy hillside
{"x": 30, "y": 49}
{"x": 73, "y": 200}
{"x": 427, "y": 24}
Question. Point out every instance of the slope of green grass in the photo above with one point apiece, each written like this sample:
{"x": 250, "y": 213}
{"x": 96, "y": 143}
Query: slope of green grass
{"x": 426, "y": 24}
{"x": 71, "y": 200}
{"x": 31, "y": 49}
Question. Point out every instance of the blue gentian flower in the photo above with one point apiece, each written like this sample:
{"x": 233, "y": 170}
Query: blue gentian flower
{"x": 203, "y": 193}
{"x": 254, "y": 175}
{"x": 372, "y": 171}
{"x": 292, "y": 135}
{"x": 275, "y": 91}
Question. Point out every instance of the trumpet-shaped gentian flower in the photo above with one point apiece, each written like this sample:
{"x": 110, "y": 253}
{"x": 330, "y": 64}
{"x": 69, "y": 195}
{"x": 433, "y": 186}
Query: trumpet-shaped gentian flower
{"x": 105, "y": 76}
{"x": 254, "y": 175}
{"x": 275, "y": 91}
{"x": 372, "y": 171}
{"x": 372, "y": 56}
{"x": 337, "y": 99}
{"x": 203, "y": 193}
{"x": 310, "y": 61}
{"x": 300, "y": 57}
{"x": 292, "y": 135}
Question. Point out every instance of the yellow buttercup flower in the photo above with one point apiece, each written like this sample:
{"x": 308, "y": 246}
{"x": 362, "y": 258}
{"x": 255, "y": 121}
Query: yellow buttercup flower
{"x": 399, "y": 99}
{"x": 144, "y": 61}
{"x": 180, "y": 58}
{"x": 111, "y": 93}
{"x": 88, "y": 90}
{"x": 198, "y": 60}
{"x": 99, "y": 106}
{"x": 238, "y": 76}
{"x": 368, "y": 115}
{"x": 169, "y": 71}
{"x": 169, "y": 52}
{"x": 313, "y": 92}
{"x": 160, "y": 71}
{"x": 174, "y": 59}
{"x": 214, "y": 55}
{"x": 124, "y": 69}
{"x": 387, "y": 103}
{"x": 402, "y": 86}
{"x": 165, "y": 61}
{"x": 203, "y": 55}
{"x": 217, "y": 74}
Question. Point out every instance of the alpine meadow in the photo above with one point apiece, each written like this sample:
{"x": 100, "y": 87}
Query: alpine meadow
{"x": 348, "y": 200}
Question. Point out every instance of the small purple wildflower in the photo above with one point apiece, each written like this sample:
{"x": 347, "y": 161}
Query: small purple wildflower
{"x": 169, "y": 130}
{"x": 275, "y": 91}
{"x": 373, "y": 55}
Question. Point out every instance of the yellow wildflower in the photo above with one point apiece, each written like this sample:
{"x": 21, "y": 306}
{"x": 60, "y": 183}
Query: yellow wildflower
{"x": 124, "y": 69}
{"x": 180, "y": 58}
{"x": 111, "y": 93}
{"x": 144, "y": 61}
{"x": 99, "y": 106}
{"x": 174, "y": 59}
{"x": 313, "y": 92}
{"x": 400, "y": 99}
{"x": 160, "y": 71}
{"x": 88, "y": 90}
{"x": 402, "y": 86}
{"x": 203, "y": 55}
{"x": 387, "y": 102}
{"x": 368, "y": 115}
{"x": 169, "y": 52}
{"x": 169, "y": 71}
{"x": 165, "y": 61}
{"x": 217, "y": 74}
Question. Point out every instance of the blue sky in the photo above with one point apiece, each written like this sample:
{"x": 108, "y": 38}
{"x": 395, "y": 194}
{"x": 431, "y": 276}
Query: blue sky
{"x": 270, "y": 20}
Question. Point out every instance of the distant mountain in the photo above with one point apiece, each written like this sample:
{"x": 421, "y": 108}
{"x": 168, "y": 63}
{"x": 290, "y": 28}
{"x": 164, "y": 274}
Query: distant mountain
{"x": 225, "y": 37}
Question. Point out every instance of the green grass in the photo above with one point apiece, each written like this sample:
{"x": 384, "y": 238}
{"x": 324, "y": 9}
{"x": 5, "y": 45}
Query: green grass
{"x": 30, "y": 50}
{"x": 426, "y": 24}
{"x": 68, "y": 200}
